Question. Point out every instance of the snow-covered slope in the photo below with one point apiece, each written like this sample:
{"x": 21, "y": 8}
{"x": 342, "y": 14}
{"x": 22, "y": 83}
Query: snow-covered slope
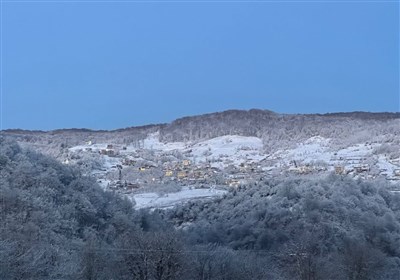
{"x": 152, "y": 142}
{"x": 226, "y": 161}
{"x": 225, "y": 150}
{"x": 154, "y": 200}
{"x": 235, "y": 150}
{"x": 314, "y": 149}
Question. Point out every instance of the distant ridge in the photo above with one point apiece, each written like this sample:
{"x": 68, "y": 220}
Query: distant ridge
{"x": 365, "y": 115}
{"x": 235, "y": 113}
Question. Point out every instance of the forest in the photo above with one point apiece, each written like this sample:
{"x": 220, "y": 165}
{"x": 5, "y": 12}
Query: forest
{"x": 59, "y": 224}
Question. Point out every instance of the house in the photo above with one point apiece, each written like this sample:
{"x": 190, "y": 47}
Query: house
{"x": 182, "y": 174}
{"x": 105, "y": 152}
{"x": 128, "y": 162}
{"x": 131, "y": 186}
{"x": 169, "y": 173}
{"x": 198, "y": 174}
{"x": 238, "y": 176}
{"x": 396, "y": 172}
{"x": 361, "y": 168}
{"x": 235, "y": 182}
{"x": 243, "y": 167}
{"x": 146, "y": 167}
{"x": 304, "y": 169}
{"x": 214, "y": 170}
{"x": 339, "y": 170}
{"x": 110, "y": 153}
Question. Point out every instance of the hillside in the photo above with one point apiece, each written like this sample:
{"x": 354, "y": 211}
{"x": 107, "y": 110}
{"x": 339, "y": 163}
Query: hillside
{"x": 211, "y": 199}
{"x": 259, "y": 123}
{"x": 226, "y": 149}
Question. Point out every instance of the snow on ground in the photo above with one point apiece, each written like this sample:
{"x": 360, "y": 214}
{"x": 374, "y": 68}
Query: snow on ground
{"x": 353, "y": 155}
{"x": 318, "y": 149}
{"x": 223, "y": 151}
{"x": 109, "y": 162}
{"x": 152, "y": 142}
{"x": 387, "y": 168}
{"x": 313, "y": 149}
{"x": 359, "y": 150}
{"x": 104, "y": 184}
{"x": 232, "y": 148}
{"x": 154, "y": 200}
{"x": 227, "y": 150}
{"x": 94, "y": 147}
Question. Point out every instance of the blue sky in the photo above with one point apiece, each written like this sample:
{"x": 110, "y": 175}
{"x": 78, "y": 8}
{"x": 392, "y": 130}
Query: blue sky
{"x": 111, "y": 65}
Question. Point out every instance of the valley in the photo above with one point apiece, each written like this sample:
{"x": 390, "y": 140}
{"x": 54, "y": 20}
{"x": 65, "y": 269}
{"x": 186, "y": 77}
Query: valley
{"x": 155, "y": 171}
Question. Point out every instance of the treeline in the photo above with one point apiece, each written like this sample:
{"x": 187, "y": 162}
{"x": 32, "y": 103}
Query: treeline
{"x": 58, "y": 224}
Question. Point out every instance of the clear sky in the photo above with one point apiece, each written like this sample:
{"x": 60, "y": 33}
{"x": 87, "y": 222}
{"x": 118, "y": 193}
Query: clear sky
{"x": 105, "y": 65}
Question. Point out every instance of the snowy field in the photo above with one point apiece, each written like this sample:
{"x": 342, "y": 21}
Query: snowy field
{"x": 314, "y": 149}
{"x": 233, "y": 149}
{"x": 230, "y": 149}
{"x": 152, "y": 143}
{"x": 154, "y": 200}
{"x": 221, "y": 152}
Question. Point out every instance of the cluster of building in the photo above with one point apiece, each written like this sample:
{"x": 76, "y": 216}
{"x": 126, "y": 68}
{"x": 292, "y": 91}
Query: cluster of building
{"x": 148, "y": 167}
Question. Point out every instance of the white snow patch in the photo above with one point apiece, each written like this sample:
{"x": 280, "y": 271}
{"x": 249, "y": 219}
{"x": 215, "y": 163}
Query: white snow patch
{"x": 232, "y": 149}
{"x": 152, "y": 142}
{"x": 386, "y": 167}
{"x": 154, "y": 200}
{"x": 109, "y": 162}
{"x": 313, "y": 149}
{"x": 93, "y": 147}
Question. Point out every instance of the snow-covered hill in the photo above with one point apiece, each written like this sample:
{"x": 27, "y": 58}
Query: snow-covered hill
{"x": 227, "y": 149}
{"x": 316, "y": 154}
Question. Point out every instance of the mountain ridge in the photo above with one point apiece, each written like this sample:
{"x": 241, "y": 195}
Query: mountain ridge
{"x": 225, "y": 113}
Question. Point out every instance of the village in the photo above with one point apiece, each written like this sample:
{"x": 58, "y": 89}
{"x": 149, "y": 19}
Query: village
{"x": 128, "y": 169}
